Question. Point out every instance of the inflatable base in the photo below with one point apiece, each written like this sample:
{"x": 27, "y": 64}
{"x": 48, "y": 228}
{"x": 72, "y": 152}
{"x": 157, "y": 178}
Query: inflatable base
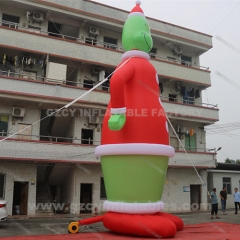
{"x": 158, "y": 225}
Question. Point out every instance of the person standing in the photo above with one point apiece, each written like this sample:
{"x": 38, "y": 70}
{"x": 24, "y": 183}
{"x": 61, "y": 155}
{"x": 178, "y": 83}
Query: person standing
{"x": 236, "y": 196}
{"x": 214, "y": 202}
{"x": 223, "y": 196}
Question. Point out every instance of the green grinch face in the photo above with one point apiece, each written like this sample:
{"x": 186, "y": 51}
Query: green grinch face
{"x": 136, "y": 34}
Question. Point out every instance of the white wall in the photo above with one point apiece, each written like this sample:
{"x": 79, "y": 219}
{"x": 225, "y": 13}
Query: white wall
{"x": 88, "y": 173}
{"x": 67, "y": 190}
{"x": 19, "y": 173}
{"x": 218, "y": 184}
{"x": 174, "y": 198}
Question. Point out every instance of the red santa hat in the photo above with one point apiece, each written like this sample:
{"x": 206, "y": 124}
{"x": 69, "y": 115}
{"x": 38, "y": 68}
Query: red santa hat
{"x": 137, "y": 10}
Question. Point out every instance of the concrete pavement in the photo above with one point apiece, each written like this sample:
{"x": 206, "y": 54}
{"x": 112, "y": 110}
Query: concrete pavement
{"x": 57, "y": 224}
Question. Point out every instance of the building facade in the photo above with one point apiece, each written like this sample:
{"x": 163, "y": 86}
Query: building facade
{"x": 52, "y": 52}
{"x": 225, "y": 175}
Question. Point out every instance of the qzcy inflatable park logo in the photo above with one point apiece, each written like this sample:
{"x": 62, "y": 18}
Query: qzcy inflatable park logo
{"x": 129, "y": 112}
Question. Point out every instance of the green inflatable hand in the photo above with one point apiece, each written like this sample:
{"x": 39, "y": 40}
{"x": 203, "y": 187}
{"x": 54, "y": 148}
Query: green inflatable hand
{"x": 116, "y": 122}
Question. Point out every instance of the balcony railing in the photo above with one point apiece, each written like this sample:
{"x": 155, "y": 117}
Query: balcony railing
{"x": 95, "y": 42}
{"x": 20, "y": 74}
{"x": 52, "y": 139}
{"x": 89, "y": 141}
{"x": 193, "y": 149}
{"x": 191, "y": 102}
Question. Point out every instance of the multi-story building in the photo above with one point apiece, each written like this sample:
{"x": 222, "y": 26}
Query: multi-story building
{"x": 53, "y": 52}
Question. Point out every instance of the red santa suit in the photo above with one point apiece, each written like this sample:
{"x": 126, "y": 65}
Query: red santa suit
{"x": 135, "y": 91}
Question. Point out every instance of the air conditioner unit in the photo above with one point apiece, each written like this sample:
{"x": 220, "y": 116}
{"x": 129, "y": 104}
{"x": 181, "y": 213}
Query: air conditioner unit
{"x": 93, "y": 119}
{"x": 93, "y": 31}
{"x": 177, "y": 50}
{"x": 38, "y": 16}
{"x": 18, "y": 112}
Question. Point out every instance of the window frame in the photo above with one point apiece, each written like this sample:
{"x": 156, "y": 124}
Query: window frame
{"x": 107, "y": 43}
{"x": 10, "y": 24}
{"x": 85, "y": 140}
{"x": 3, "y": 186}
{"x": 8, "y": 116}
{"x": 226, "y": 184}
{"x": 189, "y": 147}
{"x": 186, "y": 62}
{"x": 153, "y": 52}
{"x": 103, "y": 194}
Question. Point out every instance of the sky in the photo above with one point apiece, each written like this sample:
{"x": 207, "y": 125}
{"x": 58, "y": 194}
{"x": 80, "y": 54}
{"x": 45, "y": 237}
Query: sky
{"x": 221, "y": 19}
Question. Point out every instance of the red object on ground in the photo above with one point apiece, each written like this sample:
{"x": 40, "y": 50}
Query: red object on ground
{"x": 177, "y": 220}
{"x": 206, "y": 231}
{"x": 140, "y": 225}
{"x": 159, "y": 225}
{"x": 87, "y": 221}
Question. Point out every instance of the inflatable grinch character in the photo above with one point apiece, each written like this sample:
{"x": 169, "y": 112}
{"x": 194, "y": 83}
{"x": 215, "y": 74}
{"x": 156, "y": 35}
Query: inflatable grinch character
{"x": 135, "y": 141}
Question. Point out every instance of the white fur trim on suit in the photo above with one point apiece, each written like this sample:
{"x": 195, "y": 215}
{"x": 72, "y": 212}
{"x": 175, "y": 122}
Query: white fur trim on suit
{"x": 118, "y": 110}
{"x": 135, "y": 53}
{"x": 134, "y": 149}
{"x": 133, "y": 208}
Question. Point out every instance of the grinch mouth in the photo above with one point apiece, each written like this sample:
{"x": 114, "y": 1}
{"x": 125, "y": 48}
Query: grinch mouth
{"x": 146, "y": 40}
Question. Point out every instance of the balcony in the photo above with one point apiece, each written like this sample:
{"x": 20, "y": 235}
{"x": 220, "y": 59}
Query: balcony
{"x": 30, "y": 150}
{"x": 177, "y": 71}
{"x": 48, "y": 92}
{"x": 43, "y": 92}
{"x": 199, "y": 158}
{"x": 96, "y": 53}
{"x": 55, "y": 151}
{"x": 199, "y": 112}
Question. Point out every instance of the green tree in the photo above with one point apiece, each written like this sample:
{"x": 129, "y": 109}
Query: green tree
{"x": 238, "y": 161}
{"x": 227, "y": 160}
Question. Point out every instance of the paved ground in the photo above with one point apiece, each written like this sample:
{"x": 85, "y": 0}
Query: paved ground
{"x": 28, "y": 226}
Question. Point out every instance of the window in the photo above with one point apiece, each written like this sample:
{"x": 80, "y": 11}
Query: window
{"x": 185, "y": 60}
{"x": 153, "y": 53}
{"x": 87, "y": 136}
{"x": 227, "y": 184}
{"x": 3, "y": 125}
{"x": 2, "y": 185}
{"x": 110, "y": 43}
{"x": 54, "y": 29}
{"x": 10, "y": 21}
{"x": 190, "y": 142}
{"x": 103, "y": 194}
{"x": 172, "y": 98}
